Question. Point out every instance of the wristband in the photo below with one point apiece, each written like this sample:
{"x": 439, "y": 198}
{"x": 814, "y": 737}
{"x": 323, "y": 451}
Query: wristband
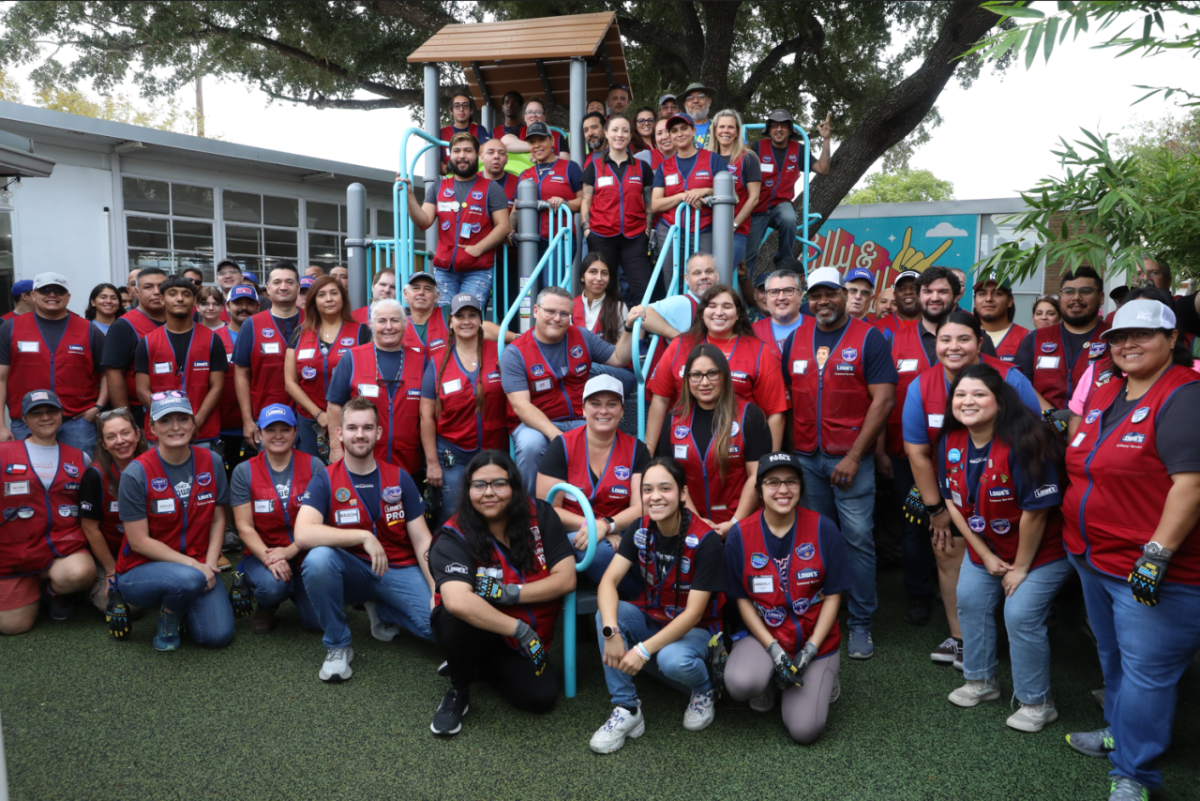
{"x": 935, "y": 510}
{"x": 628, "y": 329}
{"x": 642, "y": 652}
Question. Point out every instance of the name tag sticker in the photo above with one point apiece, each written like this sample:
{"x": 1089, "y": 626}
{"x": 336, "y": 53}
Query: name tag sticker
{"x": 762, "y": 584}
{"x": 162, "y": 368}
{"x": 451, "y": 386}
{"x": 28, "y": 347}
{"x": 164, "y": 506}
{"x": 681, "y": 451}
{"x": 368, "y": 390}
{"x": 954, "y": 496}
{"x": 605, "y": 181}
{"x": 1079, "y": 438}
{"x": 114, "y": 507}
{"x": 264, "y": 507}
{"x": 671, "y": 180}
{"x": 906, "y": 365}
{"x": 800, "y": 366}
{"x": 270, "y": 347}
{"x": 16, "y": 487}
{"x": 306, "y": 353}
{"x": 445, "y": 206}
{"x": 766, "y": 168}
{"x": 347, "y": 517}
{"x": 541, "y": 386}
{"x": 936, "y": 420}
{"x": 1047, "y": 363}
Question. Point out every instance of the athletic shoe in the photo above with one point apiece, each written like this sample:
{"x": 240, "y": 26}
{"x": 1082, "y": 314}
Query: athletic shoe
{"x": 444, "y": 669}
{"x": 837, "y": 689}
{"x": 1098, "y": 743}
{"x": 1128, "y": 790}
{"x": 958, "y": 663}
{"x": 621, "y": 724}
{"x": 232, "y": 543}
{"x": 167, "y": 637}
{"x": 384, "y": 632}
{"x": 1098, "y": 697}
{"x": 337, "y": 664}
{"x": 263, "y": 620}
{"x": 1033, "y": 717}
{"x": 973, "y": 692}
{"x": 765, "y": 701}
{"x": 701, "y": 711}
{"x": 919, "y": 611}
{"x": 948, "y": 652}
{"x": 224, "y": 564}
{"x": 448, "y": 718}
{"x": 861, "y": 645}
{"x": 61, "y": 606}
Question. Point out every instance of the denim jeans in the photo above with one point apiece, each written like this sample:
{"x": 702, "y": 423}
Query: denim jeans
{"x": 77, "y": 432}
{"x": 306, "y": 435}
{"x": 1144, "y": 651}
{"x": 529, "y": 444}
{"x": 452, "y": 479}
{"x": 451, "y": 283}
{"x": 918, "y": 561}
{"x": 783, "y": 219}
{"x": 271, "y": 592}
{"x": 739, "y": 249}
{"x": 979, "y": 593}
{"x": 181, "y": 589}
{"x": 854, "y": 510}
{"x": 334, "y": 577}
{"x": 683, "y": 664}
{"x": 622, "y": 374}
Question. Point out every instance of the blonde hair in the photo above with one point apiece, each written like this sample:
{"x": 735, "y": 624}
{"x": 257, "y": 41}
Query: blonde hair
{"x": 739, "y": 147}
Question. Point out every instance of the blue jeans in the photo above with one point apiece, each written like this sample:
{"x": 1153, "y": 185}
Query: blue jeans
{"x": 739, "y": 249}
{"x": 622, "y": 374}
{"x": 918, "y": 562}
{"x": 854, "y": 509}
{"x": 452, "y": 478}
{"x": 181, "y": 589}
{"x": 683, "y": 664}
{"x": 1144, "y": 651}
{"x": 334, "y": 578}
{"x": 450, "y": 283}
{"x": 78, "y": 433}
{"x": 306, "y": 435}
{"x": 979, "y": 593}
{"x": 529, "y": 444}
{"x": 783, "y": 219}
{"x": 271, "y": 592}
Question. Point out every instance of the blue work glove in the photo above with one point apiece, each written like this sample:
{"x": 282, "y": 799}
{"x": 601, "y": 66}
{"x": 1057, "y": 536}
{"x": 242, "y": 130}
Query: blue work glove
{"x": 1147, "y": 577}
{"x": 786, "y": 672}
{"x": 531, "y": 646}
{"x": 496, "y": 591}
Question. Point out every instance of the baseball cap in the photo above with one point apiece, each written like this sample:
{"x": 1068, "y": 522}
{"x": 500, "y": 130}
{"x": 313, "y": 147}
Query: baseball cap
{"x": 276, "y": 413}
{"x": 243, "y": 291}
{"x": 537, "y": 129}
{"x": 1141, "y": 313}
{"x": 39, "y": 397}
{"x": 781, "y": 115}
{"x": 42, "y": 280}
{"x": 465, "y": 301}
{"x": 164, "y": 403}
{"x": 306, "y": 281}
{"x": 904, "y": 276}
{"x": 251, "y": 277}
{"x": 990, "y": 278}
{"x": 682, "y": 116}
{"x": 21, "y": 287}
{"x": 421, "y": 276}
{"x": 667, "y": 97}
{"x": 825, "y": 276}
{"x": 861, "y": 273}
{"x": 696, "y": 87}
{"x": 228, "y": 263}
{"x": 779, "y": 459}
{"x": 603, "y": 383}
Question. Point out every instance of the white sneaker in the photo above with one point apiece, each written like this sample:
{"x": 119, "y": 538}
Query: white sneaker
{"x": 973, "y": 692}
{"x": 701, "y": 711}
{"x": 337, "y": 664}
{"x": 384, "y": 632}
{"x": 1033, "y": 717}
{"x": 621, "y": 724}
{"x": 765, "y": 701}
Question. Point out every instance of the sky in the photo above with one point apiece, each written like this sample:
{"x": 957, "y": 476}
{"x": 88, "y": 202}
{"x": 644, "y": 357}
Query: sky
{"x": 995, "y": 140}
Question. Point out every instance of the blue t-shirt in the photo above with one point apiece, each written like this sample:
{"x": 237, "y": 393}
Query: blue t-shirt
{"x": 319, "y": 494}
{"x": 1030, "y": 495}
{"x": 913, "y": 415}
{"x": 391, "y": 367}
{"x": 512, "y": 363}
{"x": 242, "y": 346}
{"x": 782, "y": 332}
{"x": 677, "y": 310}
{"x": 877, "y": 353}
{"x": 838, "y": 577}
{"x": 702, "y": 134}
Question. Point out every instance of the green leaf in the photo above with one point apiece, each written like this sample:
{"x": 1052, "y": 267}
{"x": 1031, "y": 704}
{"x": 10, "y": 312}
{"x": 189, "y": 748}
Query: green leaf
{"x": 1051, "y": 30}
{"x": 1021, "y": 12}
{"x": 1035, "y": 36}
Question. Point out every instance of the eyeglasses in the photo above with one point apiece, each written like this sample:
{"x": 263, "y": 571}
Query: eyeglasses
{"x": 1139, "y": 335}
{"x": 498, "y": 485}
{"x": 564, "y": 315}
{"x": 645, "y": 120}
{"x": 695, "y": 96}
{"x": 51, "y": 290}
{"x": 461, "y": 106}
{"x": 170, "y": 393}
{"x": 784, "y": 292}
{"x": 532, "y": 113}
{"x": 697, "y": 377}
{"x": 775, "y": 483}
{"x": 43, "y": 411}
{"x": 1083, "y": 291}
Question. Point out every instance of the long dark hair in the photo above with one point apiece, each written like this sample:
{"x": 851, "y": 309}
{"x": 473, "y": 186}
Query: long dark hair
{"x": 723, "y": 412}
{"x": 1181, "y": 354}
{"x": 741, "y": 326}
{"x": 90, "y": 312}
{"x": 449, "y": 354}
{"x": 474, "y": 526}
{"x": 312, "y": 317}
{"x": 611, "y": 324}
{"x": 1030, "y": 441}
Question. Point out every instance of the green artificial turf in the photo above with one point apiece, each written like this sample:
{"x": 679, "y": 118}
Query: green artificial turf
{"x": 88, "y": 718}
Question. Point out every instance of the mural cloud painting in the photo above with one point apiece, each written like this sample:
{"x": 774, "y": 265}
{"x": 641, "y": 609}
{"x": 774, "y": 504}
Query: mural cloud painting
{"x": 945, "y": 229}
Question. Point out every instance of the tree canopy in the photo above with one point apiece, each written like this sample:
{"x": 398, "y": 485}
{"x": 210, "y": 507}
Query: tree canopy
{"x": 902, "y": 186}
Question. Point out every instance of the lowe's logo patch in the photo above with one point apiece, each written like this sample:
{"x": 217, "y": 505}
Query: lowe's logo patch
{"x": 199, "y": 365}
{"x": 74, "y": 348}
{"x": 159, "y": 484}
{"x": 1000, "y": 492}
{"x": 1092, "y": 416}
{"x": 808, "y": 575}
{"x": 621, "y": 472}
{"x": 681, "y": 432}
{"x": 758, "y": 560}
{"x": 1134, "y": 436}
{"x": 1049, "y": 347}
{"x": 844, "y": 368}
{"x": 577, "y": 352}
{"x": 849, "y": 354}
{"x": 619, "y": 491}
{"x": 977, "y": 524}
{"x": 537, "y": 370}
{"x": 1001, "y": 526}
{"x": 774, "y": 616}
{"x": 806, "y": 551}
{"x": 800, "y": 606}
{"x": 1044, "y": 490}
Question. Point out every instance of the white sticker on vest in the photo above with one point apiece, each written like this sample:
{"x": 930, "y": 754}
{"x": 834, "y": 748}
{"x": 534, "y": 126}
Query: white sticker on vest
{"x": 451, "y": 386}
{"x": 264, "y": 507}
{"x": 28, "y": 347}
{"x": 347, "y": 517}
{"x": 936, "y": 420}
{"x": 766, "y": 169}
{"x": 800, "y": 366}
{"x": 1047, "y": 363}
{"x": 162, "y": 368}
{"x": 1078, "y": 439}
{"x": 681, "y": 451}
{"x": 270, "y": 347}
{"x": 906, "y": 366}
{"x": 954, "y": 496}
{"x": 164, "y": 506}
{"x": 447, "y": 206}
{"x": 542, "y": 386}
{"x": 762, "y": 584}
{"x": 607, "y": 180}
{"x": 368, "y": 390}
{"x": 114, "y": 506}
{"x": 671, "y": 180}
{"x": 16, "y": 487}
{"x": 306, "y": 353}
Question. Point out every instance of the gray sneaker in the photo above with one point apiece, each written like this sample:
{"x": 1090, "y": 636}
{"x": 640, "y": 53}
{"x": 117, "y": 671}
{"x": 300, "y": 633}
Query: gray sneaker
{"x": 765, "y": 701}
{"x": 974, "y": 692}
{"x": 1098, "y": 743}
{"x": 1033, "y": 717}
{"x": 861, "y": 645}
{"x": 1128, "y": 790}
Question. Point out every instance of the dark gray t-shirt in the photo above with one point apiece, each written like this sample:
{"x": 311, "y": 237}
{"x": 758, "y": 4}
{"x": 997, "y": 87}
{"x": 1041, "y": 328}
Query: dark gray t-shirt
{"x": 495, "y": 197}
{"x": 512, "y": 363}
{"x": 239, "y": 486}
{"x": 132, "y": 494}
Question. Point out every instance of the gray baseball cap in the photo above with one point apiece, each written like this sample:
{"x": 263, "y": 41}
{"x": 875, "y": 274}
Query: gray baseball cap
{"x": 1141, "y": 313}
{"x": 603, "y": 383}
{"x": 39, "y": 397}
{"x": 164, "y": 403}
{"x": 465, "y": 301}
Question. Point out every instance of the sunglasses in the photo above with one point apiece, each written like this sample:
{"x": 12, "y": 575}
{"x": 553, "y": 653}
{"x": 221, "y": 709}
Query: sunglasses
{"x": 51, "y": 290}
{"x": 170, "y": 393}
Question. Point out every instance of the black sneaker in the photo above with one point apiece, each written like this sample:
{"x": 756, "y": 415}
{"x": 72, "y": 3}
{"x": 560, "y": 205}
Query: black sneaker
{"x": 448, "y": 718}
{"x": 62, "y": 607}
{"x": 444, "y": 670}
{"x": 919, "y": 611}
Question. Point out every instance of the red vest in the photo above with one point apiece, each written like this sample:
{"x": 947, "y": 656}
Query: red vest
{"x": 934, "y": 394}
{"x": 1054, "y": 373}
{"x": 911, "y": 360}
{"x": 110, "y": 521}
{"x": 459, "y": 423}
{"x": 559, "y": 397}
{"x": 1006, "y": 351}
{"x": 8, "y": 315}
{"x": 228, "y": 410}
{"x": 745, "y": 361}
{"x": 69, "y": 371}
{"x": 778, "y": 180}
{"x": 618, "y": 203}
{"x": 610, "y": 495}
{"x": 399, "y": 415}
{"x": 676, "y": 183}
{"x": 449, "y": 131}
{"x": 275, "y": 518}
{"x": 837, "y": 406}
{"x": 662, "y": 348}
{"x": 715, "y": 497}
{"x": 1118, "y": 486}
{"x": 541, "y": 616}
{"x": 437, "y": 336}
{"x": 891, "y": 325}
{"x": 552, "y": 183}
{"x": 362, "y": 315}
{"x": 347, "y": 510}
{"x": 739, "y": 187}
{"x": 267, "y": 356}
{"x": 164, "y": 373}
{"x": 181, "y": 525}
{"x": 142, "y": 325}
{"x": 313, "y": 368}
{"x": 452, "y": 220}
{"x": 764, "y": 331}
{"x": 38, "y": 525}
{"x": 579, "y": 316}
{"x": 787, "y": 599}
{"x": 995, "y": 516}
{"x": 665, "y": 600}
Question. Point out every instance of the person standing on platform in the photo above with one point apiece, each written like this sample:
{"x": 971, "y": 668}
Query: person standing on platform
{"x": 684, "y": 181}
{"x": 260, "y": 352}
{"x": 461, "y": 109}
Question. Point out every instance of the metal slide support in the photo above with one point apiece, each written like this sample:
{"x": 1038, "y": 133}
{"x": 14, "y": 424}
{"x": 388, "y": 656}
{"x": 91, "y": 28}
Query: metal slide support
{"x": 486, "y": 117}
{"x": 578, "y": 107}
{"x": 640, "y": 366}
{"x": 433, "y": 160}
{"x": 569, "y": 645}
{"x": 527, "y": 237}
{"x": 723, "y": 200}
{"x": 356, "y": 243}
{"x": 404, "y": 232}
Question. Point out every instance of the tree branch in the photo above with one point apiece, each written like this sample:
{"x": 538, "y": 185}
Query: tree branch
{"x": 692, "y": 30}
{"x": 426, "y": 16}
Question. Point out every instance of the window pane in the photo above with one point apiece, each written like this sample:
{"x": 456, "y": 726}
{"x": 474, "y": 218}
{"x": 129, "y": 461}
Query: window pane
{"x": 323, "y": 248}
{"x": 281, "y": 211}
{"x": 193, "y": 235}
{"x": 322, "y": 215}
{"x": 143, "y": 195}
{"x": 141, "y": 259}
{"x": 199, "y": 261}
{"x": 383, "y": 224}
{"x": 239, "y": 239}
{"x": 191, "y": 201}
{"x": 252, "y": 264}
{"x": 280, "y": 243}
{"x": 242, "y": 207}
{"x": 143, "y": 232}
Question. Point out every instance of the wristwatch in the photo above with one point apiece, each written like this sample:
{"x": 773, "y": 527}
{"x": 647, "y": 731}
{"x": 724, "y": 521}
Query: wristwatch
{"x": 1157, "y": 551}
{"x": 612, "y": 525}
{"x": 609, "y": 631}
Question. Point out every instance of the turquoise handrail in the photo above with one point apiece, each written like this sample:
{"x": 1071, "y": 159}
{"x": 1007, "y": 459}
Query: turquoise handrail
{"x": 569, "y": 622}
{"x": 402, "y": 225}
{"x": 805, "y": 217}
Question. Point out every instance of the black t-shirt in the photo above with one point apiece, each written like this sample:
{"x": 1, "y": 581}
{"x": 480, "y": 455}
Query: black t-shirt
{"x": 1180, "y": 451}
{"x": 450, "y": 558}
{"x": 554, "y": 460}
{"x": 218, "y": 360}
{"x": 1187, "y": 320}
{"x": 91, "y": 495}
{"x": 52, "y": 332}
{"x": 756, "y": 434}
{"x": 1072, "y": 347}
{"x": 120, "y": 346}
{"x": 709, "y": 572}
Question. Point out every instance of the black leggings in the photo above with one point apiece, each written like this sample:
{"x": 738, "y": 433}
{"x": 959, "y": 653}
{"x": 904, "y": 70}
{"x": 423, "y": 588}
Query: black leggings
{"x": 474, "y": 654}
{"x": 631, "y": 256}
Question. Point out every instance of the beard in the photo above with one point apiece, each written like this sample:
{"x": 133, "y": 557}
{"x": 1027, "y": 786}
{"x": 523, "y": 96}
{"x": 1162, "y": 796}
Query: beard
{"x": 359, "y": 450}
{"x": 994, "y": 317}
{"x": 1079, "y": 320}
{"x": 467, "y": 171}
{"x": 938, "y": 317}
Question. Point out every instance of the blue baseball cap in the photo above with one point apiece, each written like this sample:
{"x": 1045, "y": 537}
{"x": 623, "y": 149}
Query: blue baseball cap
{"x": 861, "y": 273}
{"x": 276, "y": 413}
{"x": 21, "y": 287}
{"x": 243, "y": 291}
{"x": 164, "y": 403}
{"x": 249, "y": 276}
{"x": 306, "y": 282}
{"x": 681, "y": 116}
{"x": 39, "y": 397}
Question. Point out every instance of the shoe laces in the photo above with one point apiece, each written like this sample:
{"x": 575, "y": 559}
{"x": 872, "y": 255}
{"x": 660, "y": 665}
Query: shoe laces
{"x": 449, "y": 701}
{"x": 338, "y": 655}
{"x": 615, "y": 719}
{"x": 701, "y": 701}
{"x": 169, "y": 624}
{"x": 1130, "y": 787}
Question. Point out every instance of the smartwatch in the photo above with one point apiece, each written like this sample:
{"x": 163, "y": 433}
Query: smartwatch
{"x": 609, "y": 631}
{"x": 612, "y": 524}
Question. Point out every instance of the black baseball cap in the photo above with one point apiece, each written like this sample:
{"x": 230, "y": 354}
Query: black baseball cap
{"x": 537, "y": 129}
{"x": 778, "y": 459}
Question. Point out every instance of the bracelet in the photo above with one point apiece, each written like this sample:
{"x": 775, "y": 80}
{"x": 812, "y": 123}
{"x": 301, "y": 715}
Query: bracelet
{"x": 628, "y": 330}
{"x": 935, "y": 510}
{"x": 642, "y": 652}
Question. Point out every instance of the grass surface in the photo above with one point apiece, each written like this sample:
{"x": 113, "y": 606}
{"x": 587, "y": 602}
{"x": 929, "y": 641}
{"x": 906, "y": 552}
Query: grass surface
{"x": 89, "y": 718}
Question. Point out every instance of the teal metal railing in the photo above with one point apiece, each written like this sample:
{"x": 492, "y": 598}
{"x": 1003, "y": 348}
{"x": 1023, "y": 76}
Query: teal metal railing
{"x": 569, "y": 622}
{"x": 806, "y": 218}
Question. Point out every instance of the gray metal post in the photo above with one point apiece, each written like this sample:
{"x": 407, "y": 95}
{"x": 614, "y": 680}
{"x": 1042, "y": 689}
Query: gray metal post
{"x": 433, "y": 127}
{"x": 578, "y": 104}
{"x": 723, "y": 201}
{"x": 528, "y": 235}
{"x": 487, "y": 117}
{"x": 356, "y": 242}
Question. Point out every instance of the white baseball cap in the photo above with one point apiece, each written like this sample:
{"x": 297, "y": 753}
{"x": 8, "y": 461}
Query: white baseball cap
{"x": 1141, "y": 313}
{"x": 824, "y": 276}
{"x": 50, "y": 279}
{"x": 603, "y": 383}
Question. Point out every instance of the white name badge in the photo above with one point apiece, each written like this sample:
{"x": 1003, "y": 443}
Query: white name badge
{"x": 541, "y": 386}
{"x": 681, "y": 451}
{"x": 800, "y": 366}
{"x": 368, "y": 390}
{"x": 114, "y": 507}
{"x": 447, "y": 206}
{"x": 1079, "y": 438}
{"x": 270, "y": 347}
{"x": 605, "y": 181}
{"x": 762, "y": 584}
{"x": 16, "y": 487}
{"x": 906, "y": 365}
{"x": 162, "y": 368}
{"x": 671, "y": 180}
{"x": 451, "y": 386}
{"x": 954, "y": 496}
{"x": 346, "y": 517}
{"x": 306, "y": 353}
{"x": 264, "y": 507}
{"x": 935, "y": 420}
{"x": 1047, "y": 363}
{"x": 766, "y": 168}
{"x": 28, "y": 347}
{"x": 164, "y": 506}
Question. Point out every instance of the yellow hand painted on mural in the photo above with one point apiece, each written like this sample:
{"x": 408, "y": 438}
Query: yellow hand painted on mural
{"x": 907, "y": 258}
